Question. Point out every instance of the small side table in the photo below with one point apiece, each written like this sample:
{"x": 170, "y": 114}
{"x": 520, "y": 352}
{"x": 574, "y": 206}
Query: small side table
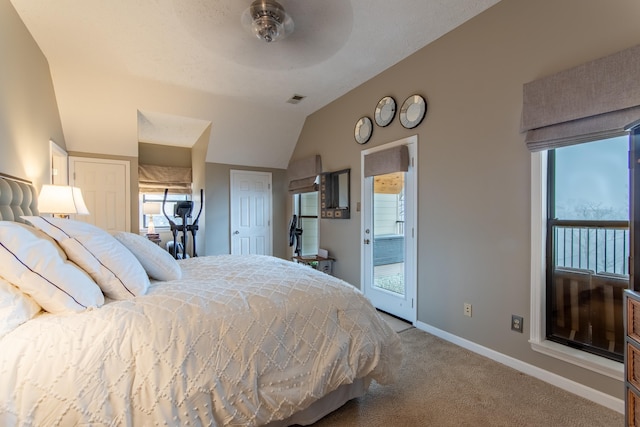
{"x": 319, "y": 263}
{"x": 155, "y": 238}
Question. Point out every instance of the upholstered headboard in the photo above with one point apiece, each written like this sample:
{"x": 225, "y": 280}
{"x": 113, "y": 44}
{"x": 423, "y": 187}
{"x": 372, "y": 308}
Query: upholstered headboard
{"x": 17, "y": 197}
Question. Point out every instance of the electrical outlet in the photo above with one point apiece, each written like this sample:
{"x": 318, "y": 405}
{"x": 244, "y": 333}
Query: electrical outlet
{"x": 517, "y": 323}
{"x": 467, "y": 309}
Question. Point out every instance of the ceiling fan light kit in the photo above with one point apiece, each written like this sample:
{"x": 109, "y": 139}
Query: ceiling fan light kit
{"x": 267, "y": 20}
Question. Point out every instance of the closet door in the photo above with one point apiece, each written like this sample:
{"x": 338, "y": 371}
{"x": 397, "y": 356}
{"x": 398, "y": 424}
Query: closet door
{"x": 105, "y": 186}
{"x": 250, "y": 212}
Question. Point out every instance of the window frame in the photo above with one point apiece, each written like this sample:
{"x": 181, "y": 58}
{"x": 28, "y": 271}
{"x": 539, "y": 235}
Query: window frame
{"x": 297, "y": 208}
{"x": 537, "y": 338}
{"x": 153, "y": 197}
{"x": 553, "y": 221}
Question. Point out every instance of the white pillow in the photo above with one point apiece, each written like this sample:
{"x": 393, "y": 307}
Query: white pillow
{"x": 157, "y": 262}
{"x": 108, "y": 262}
{"x": 34, "y": 263}
{"x": 15, "y": 307}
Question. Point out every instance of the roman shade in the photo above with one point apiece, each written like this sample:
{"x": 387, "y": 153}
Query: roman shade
{"x": 585, "y": 103}
{"x": 395, "y": 159}
{"x": 303, "y": 174}
{"x": 154, "y": 179}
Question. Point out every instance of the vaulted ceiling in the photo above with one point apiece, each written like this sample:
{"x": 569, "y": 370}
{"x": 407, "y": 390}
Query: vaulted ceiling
{"x": 162, "y": 71}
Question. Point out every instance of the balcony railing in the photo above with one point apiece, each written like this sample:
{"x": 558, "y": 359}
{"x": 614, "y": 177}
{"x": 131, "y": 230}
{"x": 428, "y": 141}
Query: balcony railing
{"x": 600, "y": 246}
{"x": 588, "y": 273}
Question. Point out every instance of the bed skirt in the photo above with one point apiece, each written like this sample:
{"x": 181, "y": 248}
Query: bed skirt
{"x": 326, "y": 405}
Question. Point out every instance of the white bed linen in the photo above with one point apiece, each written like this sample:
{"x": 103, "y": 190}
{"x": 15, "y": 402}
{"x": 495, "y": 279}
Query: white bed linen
{"x": 239, "y": 340}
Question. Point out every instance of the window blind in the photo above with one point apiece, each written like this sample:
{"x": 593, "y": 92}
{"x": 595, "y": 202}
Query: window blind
{"x": 302, "y": 174}
{"x": 154, "y": 179}
{"x": 395, "y": 159}
{"x": 585, "y": 103}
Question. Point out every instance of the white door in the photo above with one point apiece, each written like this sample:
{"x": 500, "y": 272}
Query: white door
{"x": 106, "y": 191}
{"x": 250, "y": 210}
{"x": 389, "y": 236}
{"x": 59, "y": 168}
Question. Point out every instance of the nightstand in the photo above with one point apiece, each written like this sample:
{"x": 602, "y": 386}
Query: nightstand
{"x": 319, "y": 263}
{"x": 155, "y": 238}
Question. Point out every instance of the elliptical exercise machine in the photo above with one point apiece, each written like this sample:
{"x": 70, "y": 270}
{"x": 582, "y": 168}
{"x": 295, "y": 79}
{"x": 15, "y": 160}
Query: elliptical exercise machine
{"x": 295, "y": 235}
{"x": 183, "y": 210}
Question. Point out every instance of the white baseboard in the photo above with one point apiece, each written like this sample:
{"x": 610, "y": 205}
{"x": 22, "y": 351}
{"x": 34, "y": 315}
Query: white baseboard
{"x": 581, "y": 390}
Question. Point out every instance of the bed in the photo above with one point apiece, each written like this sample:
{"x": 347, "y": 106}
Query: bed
{"x": 101, "y": 329}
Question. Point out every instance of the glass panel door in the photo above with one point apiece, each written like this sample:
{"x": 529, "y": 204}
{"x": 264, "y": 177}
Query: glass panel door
{"x": 388, "y": 233}
{"x": 389, "y": 246}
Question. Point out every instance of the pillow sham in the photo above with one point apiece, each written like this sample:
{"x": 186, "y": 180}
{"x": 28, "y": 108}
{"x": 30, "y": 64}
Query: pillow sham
{"x": 34, "y": 263}
{"x": 15, "y": 307}
{"x": 108, "y": 262}
{"x": 157, "y": 262}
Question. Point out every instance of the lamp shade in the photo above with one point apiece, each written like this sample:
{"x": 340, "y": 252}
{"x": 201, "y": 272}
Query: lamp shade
{"x": 62, "y": 200}
{"x": 151, "y": 208}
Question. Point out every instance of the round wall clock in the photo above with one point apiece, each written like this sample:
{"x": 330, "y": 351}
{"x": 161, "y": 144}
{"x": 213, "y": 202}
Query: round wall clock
{"x": 412, "y": 111}
{"x": 363, "y": 130}
{"x": 385, "y": 111}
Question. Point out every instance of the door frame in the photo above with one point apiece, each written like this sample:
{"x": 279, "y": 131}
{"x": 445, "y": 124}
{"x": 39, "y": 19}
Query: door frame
{"x": 233, "y": 172}
{"x": 411, "y": 230}
{"x": 58, "y": 165}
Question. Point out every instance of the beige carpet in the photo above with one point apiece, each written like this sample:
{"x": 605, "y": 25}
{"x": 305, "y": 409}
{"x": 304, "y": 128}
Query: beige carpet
{"x": 442, "y": 384}
{"x": 396, "y": 324}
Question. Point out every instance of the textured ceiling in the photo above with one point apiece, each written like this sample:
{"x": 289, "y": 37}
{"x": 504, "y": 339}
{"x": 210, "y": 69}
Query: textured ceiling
{"x": 162, "y": 71}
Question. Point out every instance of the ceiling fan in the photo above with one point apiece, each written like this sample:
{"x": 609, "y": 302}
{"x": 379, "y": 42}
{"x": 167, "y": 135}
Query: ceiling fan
{"x": 267, "y": 20}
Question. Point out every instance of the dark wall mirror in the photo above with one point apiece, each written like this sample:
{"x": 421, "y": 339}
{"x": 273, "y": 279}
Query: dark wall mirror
{"x": 335, "y": 197}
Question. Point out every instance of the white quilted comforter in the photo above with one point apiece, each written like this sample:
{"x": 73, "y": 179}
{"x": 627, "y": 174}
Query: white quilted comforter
{"x": 238, "y": 341}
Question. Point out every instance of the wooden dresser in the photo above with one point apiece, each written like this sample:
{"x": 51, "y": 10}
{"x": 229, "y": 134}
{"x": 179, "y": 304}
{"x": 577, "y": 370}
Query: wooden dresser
{"x": 632, "y": 358}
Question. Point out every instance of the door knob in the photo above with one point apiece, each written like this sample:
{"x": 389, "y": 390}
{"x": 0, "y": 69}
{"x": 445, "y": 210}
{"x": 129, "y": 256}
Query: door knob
{"x": 236, "y": 232}
{"x": 367, "y": 241}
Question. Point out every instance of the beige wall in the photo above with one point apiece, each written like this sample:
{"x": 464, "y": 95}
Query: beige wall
{"x": 28, "y": 109}
{"x": 474, "y": 170}
{"x": 164, "y": 155}
{"x": 217, "y": 212}
{"x": 199, "y": 172}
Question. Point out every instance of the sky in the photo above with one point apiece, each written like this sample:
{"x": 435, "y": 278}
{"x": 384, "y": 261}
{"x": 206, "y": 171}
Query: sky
{"x": 592, "y": 180}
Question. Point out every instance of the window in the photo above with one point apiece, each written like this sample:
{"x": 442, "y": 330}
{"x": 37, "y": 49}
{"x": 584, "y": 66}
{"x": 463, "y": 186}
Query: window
{"x": 305, "y": 206}
{"x": 587, "y": 245}
{"x": 589, "y": 102}
{"x": 155, "y": 201}
{"x": 389, "y": 194}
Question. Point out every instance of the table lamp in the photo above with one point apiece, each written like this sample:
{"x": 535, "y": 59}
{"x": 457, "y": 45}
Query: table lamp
{"x": 61, "y": 200}
{"x": 150, "y": 209}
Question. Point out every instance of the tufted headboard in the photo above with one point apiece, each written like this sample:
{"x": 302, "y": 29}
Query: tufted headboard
{"x": 17, "y": 197}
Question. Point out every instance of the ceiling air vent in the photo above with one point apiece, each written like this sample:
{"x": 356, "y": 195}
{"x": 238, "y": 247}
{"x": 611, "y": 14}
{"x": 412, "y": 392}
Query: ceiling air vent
{"x": 295, "y": 99}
